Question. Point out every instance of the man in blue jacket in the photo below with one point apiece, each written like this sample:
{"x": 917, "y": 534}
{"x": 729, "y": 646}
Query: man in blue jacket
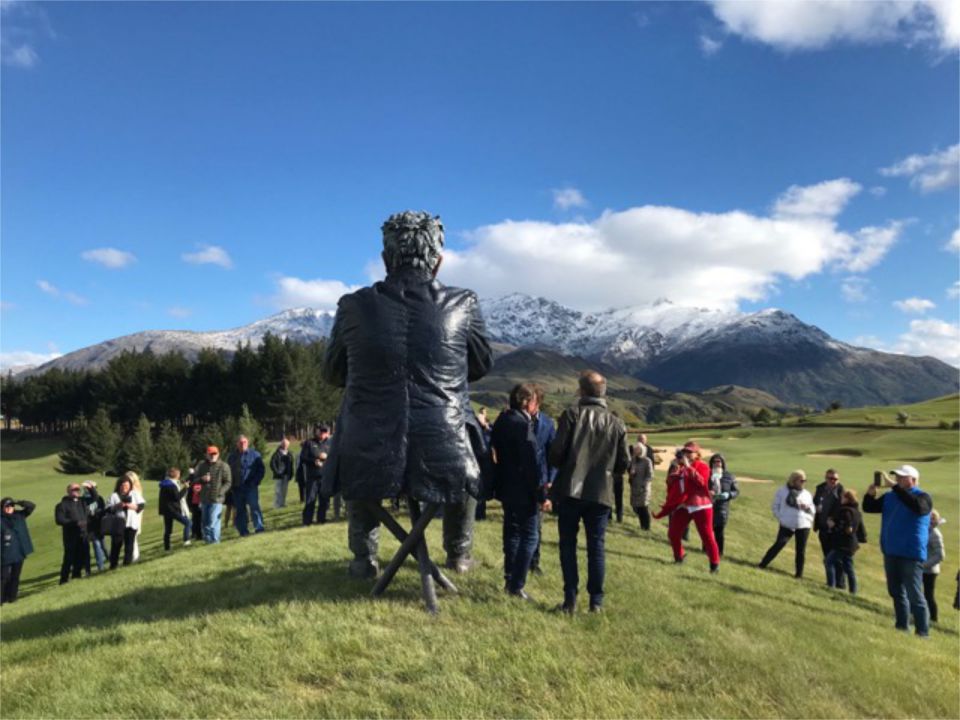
{"x": 545, "y": 430}
{"x": 517, "y": 485}
{"x": 246, "y": 467}
{"x": 904, "y": 530}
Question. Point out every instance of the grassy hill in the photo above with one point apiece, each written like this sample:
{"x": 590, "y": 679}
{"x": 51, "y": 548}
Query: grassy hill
{"x": 270, "y": 625}
{"x": 928, "y": 413}
{"x": 639, "y": 403}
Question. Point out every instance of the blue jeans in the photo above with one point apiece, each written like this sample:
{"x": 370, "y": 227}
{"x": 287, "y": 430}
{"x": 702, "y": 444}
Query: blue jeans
{"x": 211, "y": 521}
{"x": 99, "y": 553}
{"x": 595, "y": 518}
{"x": 242, "y": 497}
{"x": 520, "y": 538}
{"x": 905, "y": 585}
{"x": 168, "y": 528}
{"x": 840, "y": 565}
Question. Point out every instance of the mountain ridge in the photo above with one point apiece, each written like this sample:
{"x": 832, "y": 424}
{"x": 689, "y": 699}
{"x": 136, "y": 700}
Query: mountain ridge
{"x": 672, "y": 347}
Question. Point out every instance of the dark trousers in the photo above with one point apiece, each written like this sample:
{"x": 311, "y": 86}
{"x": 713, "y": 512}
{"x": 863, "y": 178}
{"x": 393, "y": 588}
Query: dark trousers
{"x": 618, "y": 497}
{"x": 196, "y": 518}
{"x": 535, "y": 559}
{"x": 929, "y": 585}
{"x": 74, "y": 548}
{"x": 783, "y": 535}
{"x": 316, "y": 500}
{"x": 481, "y": 512}
{"x": 168, "y": 528}
{"x": 826, "y": 544}
{"x": 595, "y": 518}
{"x": 643, "y": 512}
{"x": 10, "y": 587}
{"x": 303, "y": 494}
{"x": 124, "y": 541}
{"x": 520, "y": 538}
{"x": 840, "y": 564}
{"x": 719, "y": 525}
{"x": 905, "y": 586}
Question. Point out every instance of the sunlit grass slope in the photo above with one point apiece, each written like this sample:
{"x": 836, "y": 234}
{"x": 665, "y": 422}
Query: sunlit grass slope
{"x": 271, "y": 626}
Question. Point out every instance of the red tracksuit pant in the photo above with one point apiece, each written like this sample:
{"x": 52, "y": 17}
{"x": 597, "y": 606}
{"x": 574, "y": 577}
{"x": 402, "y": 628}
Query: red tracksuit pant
{"x": 703, "y": 519}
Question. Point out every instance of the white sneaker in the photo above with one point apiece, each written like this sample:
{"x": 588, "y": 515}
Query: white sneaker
{"x": 186, "y": 542}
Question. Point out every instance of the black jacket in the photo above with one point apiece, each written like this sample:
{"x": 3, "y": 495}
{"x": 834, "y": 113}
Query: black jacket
{"x": 71, "y": 515}
{"x": 310, "y": 452}
{"x": 728, "y": 484}
{"x": 826, "y": 501}
{"x": 15, "y": 543}
{"x": 170, "y": 494}
{"x": 405, "y": 349}
{"x": 589, "y": 450}
{"x": 281, "y": 464}
{"x": 848, "y": 531}
{"x": 517, "y": 471}
{"x": 95, "y": 509}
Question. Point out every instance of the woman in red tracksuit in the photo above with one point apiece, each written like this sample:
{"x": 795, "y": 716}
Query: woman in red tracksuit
{"x": 689, "y": 497}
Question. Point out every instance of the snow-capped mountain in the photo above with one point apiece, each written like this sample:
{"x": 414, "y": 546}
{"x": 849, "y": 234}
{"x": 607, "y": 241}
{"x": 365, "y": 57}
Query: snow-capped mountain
{"x": 300, "y": 325}
{"x": 672, "y": 347}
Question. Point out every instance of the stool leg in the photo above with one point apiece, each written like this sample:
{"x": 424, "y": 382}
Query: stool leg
{"x": 398, "y": 532}
{"x": 406, "y": 547}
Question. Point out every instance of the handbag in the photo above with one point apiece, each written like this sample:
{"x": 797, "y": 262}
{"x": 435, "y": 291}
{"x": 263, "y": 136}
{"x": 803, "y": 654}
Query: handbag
{"x": 113, "y": 523}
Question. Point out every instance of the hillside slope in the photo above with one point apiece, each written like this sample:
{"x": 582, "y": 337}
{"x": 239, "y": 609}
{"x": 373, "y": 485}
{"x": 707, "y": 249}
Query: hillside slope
{"x": 271, "y": 626}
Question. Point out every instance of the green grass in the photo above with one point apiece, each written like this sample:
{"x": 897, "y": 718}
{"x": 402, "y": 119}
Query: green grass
{"x": 270, "y": 626}
{"x": 928, "y": 413}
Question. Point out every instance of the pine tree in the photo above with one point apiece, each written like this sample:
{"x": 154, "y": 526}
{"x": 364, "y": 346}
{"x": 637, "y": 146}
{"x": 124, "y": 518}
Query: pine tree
{"x": 248, "y": 425}
{"x": 169, "y": 451}
{"x": 137, "y": 451}
{"x": 92, "y": 447}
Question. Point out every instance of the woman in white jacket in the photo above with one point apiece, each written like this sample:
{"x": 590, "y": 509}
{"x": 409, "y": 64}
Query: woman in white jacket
{"x": 793, "y": 508}
{"x": 126, "y": 503}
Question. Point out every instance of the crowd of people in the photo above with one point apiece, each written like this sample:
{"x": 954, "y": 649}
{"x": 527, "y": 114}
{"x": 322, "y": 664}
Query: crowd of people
{"x": 405, "y": 351}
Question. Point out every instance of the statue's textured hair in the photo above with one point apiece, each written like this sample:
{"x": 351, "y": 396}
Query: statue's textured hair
{"x": 412, "y": 239}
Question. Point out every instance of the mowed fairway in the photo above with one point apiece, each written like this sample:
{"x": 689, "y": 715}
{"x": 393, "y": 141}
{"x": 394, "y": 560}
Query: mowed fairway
{"x": 270, "y": 626}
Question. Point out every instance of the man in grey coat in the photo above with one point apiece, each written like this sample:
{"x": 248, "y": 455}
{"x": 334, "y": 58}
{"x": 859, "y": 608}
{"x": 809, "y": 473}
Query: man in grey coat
{"x": 404, "y": 349}
{"x": 590, "y": 450}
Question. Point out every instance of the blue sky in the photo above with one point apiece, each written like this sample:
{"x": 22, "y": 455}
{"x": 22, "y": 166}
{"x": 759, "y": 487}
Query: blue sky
{"x": 202, "y": 165}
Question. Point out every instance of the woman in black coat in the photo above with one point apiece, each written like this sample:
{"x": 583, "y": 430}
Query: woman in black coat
{"x": 727, "y": 490}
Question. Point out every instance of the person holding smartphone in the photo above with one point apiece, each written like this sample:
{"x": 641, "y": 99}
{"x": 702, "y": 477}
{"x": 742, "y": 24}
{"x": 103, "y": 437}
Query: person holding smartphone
{"x": 904, "y": 533}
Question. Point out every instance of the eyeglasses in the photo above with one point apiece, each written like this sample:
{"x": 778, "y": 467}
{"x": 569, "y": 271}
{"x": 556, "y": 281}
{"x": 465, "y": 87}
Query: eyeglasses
{"x": 832, "y": 477}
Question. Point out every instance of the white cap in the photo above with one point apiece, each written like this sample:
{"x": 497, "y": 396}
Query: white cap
{"x": 907, "y": 471}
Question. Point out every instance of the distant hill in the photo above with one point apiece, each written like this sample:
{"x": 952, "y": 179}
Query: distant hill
{"x": 927, "y": 414}
{"x": 636, "y": 401}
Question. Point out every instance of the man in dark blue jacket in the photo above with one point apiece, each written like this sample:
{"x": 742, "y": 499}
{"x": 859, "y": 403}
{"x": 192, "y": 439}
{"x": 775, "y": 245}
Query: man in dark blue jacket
{"x": 545, "y": 431}
{"x": 15, "y": 545}
{"x": 518, "y": 485}
{"x": 904, "y": 531}
{"x": 247, "y": 470}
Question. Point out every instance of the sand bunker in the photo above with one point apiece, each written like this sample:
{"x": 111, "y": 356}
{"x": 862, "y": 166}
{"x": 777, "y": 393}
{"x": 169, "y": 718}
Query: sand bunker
{"x": 838, "y": 453}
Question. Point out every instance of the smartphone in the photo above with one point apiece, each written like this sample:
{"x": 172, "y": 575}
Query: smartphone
{"x": 877, "y": 478}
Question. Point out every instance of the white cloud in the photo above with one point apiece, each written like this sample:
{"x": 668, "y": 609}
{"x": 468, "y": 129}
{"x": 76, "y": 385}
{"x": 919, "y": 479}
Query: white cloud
{"x": 179, "y": 312}
{"x": 914, "y": 305}
{"x": 321, "y": 294}
{"x": 17, "y": 358}
{"x": 953, "y": 244}
{"x": 823, "y": 200}
{"x": 21, "y": 26}
{"x": 569, "y": 197}
{"x": 871, "y": 245}
{"x": 209, "y": 255}
{"x": 643, "y": 253}
{"x": 815, "y": 24}
{"x": 854, "y": 289}
{"x": 868, "y": 341}
{"x": 937, "y": 171}
{"x": 932, "y": 337}
{"x": 48, "y": 288}
{"x": 709, "y": 46}
{"x": 953, "y": 292}
{"x": 109, "y": 257}
{"x": 878, "y": 191}
{"x": 52, "y": 290}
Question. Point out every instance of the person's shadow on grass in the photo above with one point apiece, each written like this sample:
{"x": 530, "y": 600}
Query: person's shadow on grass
{"x": 229, "y": 590}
